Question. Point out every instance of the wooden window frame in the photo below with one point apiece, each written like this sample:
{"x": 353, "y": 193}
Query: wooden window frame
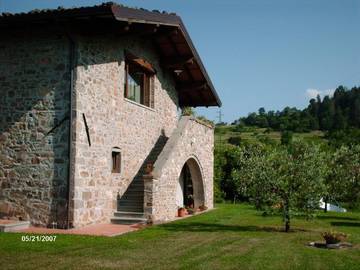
{"x": 147, "y": 90}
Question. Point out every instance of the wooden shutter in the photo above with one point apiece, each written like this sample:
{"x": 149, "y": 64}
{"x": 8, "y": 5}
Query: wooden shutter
{"x": 126, "y": 86}
{"x": 152, "y": 91}
{"x": 146, "y": 87}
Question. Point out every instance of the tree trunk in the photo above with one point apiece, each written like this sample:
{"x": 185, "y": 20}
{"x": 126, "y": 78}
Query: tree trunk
{"x": 286, "y": 216}
{"x": 326, "y": 202}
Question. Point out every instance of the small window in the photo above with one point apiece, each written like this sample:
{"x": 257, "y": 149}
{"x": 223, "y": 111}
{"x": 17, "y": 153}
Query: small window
{"x": 116, "y": 161}
{"x": 139, "y": 80}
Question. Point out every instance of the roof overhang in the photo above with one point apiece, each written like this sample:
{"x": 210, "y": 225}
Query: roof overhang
{"x": 176, "y": 49}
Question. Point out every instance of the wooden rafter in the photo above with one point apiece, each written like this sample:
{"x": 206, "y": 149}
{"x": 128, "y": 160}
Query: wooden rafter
{"x": 177, "y": 61}
{"x": 140, "y": 62}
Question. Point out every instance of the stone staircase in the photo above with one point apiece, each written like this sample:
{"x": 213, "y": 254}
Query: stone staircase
{"x": 127, "y": 217}
{"x": 131, "y": 204}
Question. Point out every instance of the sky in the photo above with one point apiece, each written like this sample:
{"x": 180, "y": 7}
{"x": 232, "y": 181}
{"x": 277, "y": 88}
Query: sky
{"x": 260, "y": 53}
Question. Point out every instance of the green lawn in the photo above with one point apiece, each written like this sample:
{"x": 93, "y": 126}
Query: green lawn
{"x": 230, "y": 237}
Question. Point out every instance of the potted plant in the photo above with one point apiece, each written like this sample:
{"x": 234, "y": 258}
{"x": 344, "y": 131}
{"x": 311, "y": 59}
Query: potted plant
{"x": 332, "y": 237}
{"x": 181, "y": 212}
{"x": 190, "y": 210}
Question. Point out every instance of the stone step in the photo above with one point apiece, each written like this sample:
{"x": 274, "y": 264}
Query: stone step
{"x": 137, "y": 183}
{"x": 14, "y": 226}
{"x": 126, "y": 209}
{"x": 128, "y": 220}
{"x": 135, "y": 188}
{"x": 133, "y": 193}
{"x": 129, "y": 214}
{"x": 139, "y": 186}
{"x": 134, "y": 204}
{"x": 130, "y": 202}
{"x": 131, "y": 207}
{"x": 133, "y": 200}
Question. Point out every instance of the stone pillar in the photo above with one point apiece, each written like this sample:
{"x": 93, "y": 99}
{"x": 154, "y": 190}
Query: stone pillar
{"x": 149, "y": 190}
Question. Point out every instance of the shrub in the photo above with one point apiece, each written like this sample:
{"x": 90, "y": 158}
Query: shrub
{"x": 188, "y": 111}
{"x": 332, "y": 237}
{"x": 235, "y": 140}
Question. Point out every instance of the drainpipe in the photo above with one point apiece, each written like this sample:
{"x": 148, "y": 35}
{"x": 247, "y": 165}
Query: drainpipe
{"x": 72, "y": 55}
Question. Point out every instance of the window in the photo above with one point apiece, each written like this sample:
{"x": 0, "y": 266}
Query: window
{"x": 139, "y": 80}
{"x": 116, "y": 160}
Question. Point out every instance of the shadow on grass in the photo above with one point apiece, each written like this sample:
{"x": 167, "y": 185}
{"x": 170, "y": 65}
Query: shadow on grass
{"x": 213, "y": 227}
{"x": 346, "y": 224}
{"x": 336, "y": 217}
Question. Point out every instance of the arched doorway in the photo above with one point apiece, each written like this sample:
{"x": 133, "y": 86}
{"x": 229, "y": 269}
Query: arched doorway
{"x": 190, "y": 188}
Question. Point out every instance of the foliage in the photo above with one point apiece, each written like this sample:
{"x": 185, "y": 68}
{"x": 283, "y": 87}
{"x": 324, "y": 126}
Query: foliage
{"x": 332, "y": 237}
{"x": 206, "y": 121}
{"x": 235, "y": 140}
{"x": 286, "y": 137}
{"x": 292, "y": 177}
{"x": 338, "y": 112}
{"x": 220, "y": 124}
{"x": 343, "y": 177}
{"x": 187, "y": 111}
{"x": 347, "y": 137}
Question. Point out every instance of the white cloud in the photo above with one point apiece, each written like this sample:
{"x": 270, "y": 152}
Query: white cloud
{"x": 313, "y": 93}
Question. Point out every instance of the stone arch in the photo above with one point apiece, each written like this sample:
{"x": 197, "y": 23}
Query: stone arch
{"x": 192, "y": 165}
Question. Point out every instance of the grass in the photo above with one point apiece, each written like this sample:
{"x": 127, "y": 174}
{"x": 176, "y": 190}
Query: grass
{"x": 230, "y": 237}
{"x": 251, "y": 134}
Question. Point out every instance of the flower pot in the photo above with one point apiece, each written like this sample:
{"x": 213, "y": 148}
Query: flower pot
{"x": 181, "y": 212}
{"x": 333, "y": 237}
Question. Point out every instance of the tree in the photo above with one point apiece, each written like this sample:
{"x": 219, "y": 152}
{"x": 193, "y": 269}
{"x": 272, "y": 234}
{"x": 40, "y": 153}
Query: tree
{"x": 326, "y": 113}
{"x": 339, "y": 120}
{"x": 340, "y": 111}
{"x": 343, "y": 181}
{"x": 262, "y": 111}
{"x": 290, "y": 176}
{"x": 286, "y": 137}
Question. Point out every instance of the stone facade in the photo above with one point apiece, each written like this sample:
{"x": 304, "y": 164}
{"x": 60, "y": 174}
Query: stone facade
{"x": 34, "y": 131}
{"x": 192, "y": 143}
{"x": 34, "y": 127}
{"x": 113, "y": 122}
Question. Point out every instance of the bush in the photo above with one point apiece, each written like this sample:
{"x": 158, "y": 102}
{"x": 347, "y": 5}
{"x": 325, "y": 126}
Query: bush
{"x": 286, "y": 137}
{"x": 235, "y": 140}
{"x": 187, "y": 111}
{"x": 206, "y": 121}
{"x": 332, "y": 237}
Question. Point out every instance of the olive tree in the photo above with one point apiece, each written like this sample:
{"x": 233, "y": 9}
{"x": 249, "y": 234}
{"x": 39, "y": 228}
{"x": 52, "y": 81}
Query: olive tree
{"x": 291, "y": 177}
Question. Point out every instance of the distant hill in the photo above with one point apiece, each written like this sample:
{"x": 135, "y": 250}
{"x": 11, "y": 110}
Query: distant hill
{"x": 338, "y": 112}
{"x": 236, "y": 135}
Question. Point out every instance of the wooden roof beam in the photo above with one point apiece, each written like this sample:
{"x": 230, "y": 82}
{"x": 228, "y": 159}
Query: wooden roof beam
{"x": 195, "y": 86}
{"x": 140, "y": 62}
{"x": 176, "y": 62}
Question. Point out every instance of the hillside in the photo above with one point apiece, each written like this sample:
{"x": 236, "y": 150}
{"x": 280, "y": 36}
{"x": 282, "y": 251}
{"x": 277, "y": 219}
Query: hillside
{"x": 252, "y": 134}
{"x": 337, "y": 112}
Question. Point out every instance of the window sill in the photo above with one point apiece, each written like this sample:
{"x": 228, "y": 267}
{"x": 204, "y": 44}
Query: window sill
{"x": 138, "y": 104}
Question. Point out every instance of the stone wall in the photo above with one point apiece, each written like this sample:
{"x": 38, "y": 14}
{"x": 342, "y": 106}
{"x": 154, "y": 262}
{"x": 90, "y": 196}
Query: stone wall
{"x": 34, "y": 98}
{"x": 34, "y": 129}
{"x": 192, "y": 143}
{"x": 113, "y": 122}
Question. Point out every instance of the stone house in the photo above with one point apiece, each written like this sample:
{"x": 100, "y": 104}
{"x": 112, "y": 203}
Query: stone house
{"x": 90, "y": 126}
